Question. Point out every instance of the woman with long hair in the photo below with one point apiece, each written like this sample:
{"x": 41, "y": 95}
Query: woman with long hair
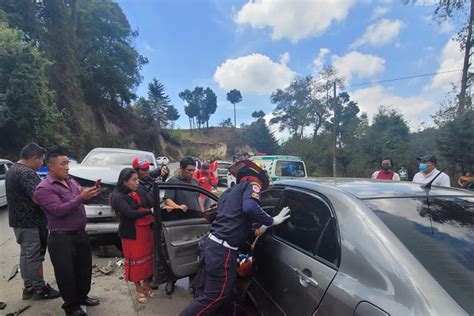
{"x": 134, "y": 209}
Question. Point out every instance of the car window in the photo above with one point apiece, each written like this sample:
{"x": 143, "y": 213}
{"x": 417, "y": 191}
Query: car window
{"x": 269, "y": 199}
{"x": 440, "y": 234}
{"x": 328, "y": 245}
{"x": 107, "y": 158}
{"x": 3, "y": 171}
{"x": 309, "y": 218}
{"x": 286, "y": 168}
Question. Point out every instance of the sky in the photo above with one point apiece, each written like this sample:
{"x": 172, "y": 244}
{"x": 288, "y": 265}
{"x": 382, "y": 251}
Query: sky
{"x": 259, "y": 46}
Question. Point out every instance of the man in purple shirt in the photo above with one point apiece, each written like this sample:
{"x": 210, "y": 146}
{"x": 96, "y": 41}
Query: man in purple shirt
{"x": 62, "y": 200}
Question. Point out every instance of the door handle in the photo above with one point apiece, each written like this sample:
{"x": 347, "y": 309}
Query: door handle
{"x": 305, "y": 278}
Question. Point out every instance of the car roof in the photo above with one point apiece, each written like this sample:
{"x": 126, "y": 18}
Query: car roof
{"x": 374, "y": 189}
{"x": 123, "y": 150}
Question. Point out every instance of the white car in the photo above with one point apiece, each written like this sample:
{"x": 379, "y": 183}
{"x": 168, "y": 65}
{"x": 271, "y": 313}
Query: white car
{"x": 4, "y": 166}
{"x": 105, "y": 164}
{"x": 162, "y": 161}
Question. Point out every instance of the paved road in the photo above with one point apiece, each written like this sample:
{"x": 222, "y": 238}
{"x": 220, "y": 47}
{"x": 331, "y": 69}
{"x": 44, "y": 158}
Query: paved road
{"x": 117, "y": 297}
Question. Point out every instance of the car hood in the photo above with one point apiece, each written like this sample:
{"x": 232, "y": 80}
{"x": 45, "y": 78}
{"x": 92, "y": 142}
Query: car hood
{"x": 108, "y": 174}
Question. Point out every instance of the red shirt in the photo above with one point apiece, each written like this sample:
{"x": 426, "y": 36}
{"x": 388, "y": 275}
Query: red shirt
{"x": 207, "y": 181}
{"x": 214, "y": 166}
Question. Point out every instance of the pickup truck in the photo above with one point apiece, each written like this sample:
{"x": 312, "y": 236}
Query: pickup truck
{"x": 105, "y": 164}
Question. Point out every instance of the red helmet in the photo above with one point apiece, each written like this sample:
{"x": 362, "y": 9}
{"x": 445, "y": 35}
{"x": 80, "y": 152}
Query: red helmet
{"x": 244, "y": 168}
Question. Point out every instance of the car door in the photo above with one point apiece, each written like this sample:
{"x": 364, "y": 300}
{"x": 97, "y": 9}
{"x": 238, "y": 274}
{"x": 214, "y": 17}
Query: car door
{"x": 177, "y": 237}
{"x": 296, "y": 261}
{"x": 3, "y": 172}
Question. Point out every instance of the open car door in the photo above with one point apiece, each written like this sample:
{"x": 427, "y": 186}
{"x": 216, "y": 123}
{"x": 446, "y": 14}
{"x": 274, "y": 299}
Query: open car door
{"x": 177, "y": 235}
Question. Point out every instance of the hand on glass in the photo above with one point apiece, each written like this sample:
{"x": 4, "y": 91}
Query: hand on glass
{"x": 282, "y": 216}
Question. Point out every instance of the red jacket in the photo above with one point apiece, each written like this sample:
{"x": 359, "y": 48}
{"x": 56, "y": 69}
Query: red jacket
{"x": 214, "y": 166}
{"x": 207, "y": 181}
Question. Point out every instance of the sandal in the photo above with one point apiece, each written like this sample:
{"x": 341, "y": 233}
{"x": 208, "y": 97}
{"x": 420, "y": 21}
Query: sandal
{"x": 141, "y": 298}
{"x": 148, "y": 290}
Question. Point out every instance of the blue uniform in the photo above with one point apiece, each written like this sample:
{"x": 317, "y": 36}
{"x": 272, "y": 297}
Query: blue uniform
{"x": 238, "y": 208}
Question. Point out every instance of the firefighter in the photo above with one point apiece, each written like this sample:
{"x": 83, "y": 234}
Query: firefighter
{"x": 238, "y": 208}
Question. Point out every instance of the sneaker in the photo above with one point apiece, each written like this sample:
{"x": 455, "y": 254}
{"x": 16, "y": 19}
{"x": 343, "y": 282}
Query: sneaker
{"x": 27, "y": 293}
{"x": 47, "y": 292}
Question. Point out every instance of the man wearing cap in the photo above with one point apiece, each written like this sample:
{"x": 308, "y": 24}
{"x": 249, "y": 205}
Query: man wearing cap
{"x": 428, "y": 171}
{"x": 238, "y": 208}
{"x": 147, "y": 178}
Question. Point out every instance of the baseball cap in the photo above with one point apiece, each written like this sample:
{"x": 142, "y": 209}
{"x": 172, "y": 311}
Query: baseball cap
{"x": 140, "y": 164}
{"x": 431, "y": 158}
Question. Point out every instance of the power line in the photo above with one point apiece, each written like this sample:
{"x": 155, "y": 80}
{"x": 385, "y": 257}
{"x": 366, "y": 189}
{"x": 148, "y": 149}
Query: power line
{"x": 403, "y": 78}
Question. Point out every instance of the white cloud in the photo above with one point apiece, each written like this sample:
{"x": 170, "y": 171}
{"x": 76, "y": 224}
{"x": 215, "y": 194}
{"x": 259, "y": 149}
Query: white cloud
{"x": 149, "y": 48}
{"x": 293, "y": 20}
{"x": 356, "y": 63}
{"x": 254, "y": 73}
{"x": 446, "y": 27}
{"x": 380, "y": 33}
{"x": 451, "y": 59}
{"x": 369, "y": 99}
{"x": 379, "y": 12}
{"x": 319, "y": 62}
{"x": 285, "y": 58}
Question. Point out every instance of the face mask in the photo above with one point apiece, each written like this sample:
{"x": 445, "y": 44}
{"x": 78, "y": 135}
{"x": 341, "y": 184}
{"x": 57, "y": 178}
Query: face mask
{"x": 422, "y": 167}
{"x": 385, "y": 168}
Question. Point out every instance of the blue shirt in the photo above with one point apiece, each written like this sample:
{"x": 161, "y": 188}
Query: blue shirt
{"x": 237, "y": 209}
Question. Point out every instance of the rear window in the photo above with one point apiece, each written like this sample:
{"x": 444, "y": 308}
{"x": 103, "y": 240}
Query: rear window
{"x": 285, "y": 168}
{"x": 440, "y": 234}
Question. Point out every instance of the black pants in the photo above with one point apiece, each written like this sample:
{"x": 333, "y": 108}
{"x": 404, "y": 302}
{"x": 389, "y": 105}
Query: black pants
{"x": 215, "y": 279}
{"x": 72, "y": 261}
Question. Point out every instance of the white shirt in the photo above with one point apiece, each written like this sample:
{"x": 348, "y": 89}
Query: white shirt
{"x": 442, "y": 180}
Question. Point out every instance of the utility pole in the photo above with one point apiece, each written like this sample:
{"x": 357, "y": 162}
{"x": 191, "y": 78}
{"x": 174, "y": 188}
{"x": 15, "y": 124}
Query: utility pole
{"x": 334, "y": 171}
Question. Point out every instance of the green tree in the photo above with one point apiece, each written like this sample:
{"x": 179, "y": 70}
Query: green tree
{"x": 258, "y": 114}
{"x": 226, "y": 123}
{"x": 159, "y": 103}
{"x": 200, "y": 104}
{"x": 259, "y": 136}
{"x": 27, "y": 109}
{"x": 234, "y": 97}
{"x": 456, "y": 143}
{"x": 349, "y": 130}
{"x": 191, "y": 107}
{"x": 208, "y": 106}
{"x": 293, "y": 106}
{"x": 109, "y": 64}
{"x": 387, "y": 136}
{"x": 172, "y": 115}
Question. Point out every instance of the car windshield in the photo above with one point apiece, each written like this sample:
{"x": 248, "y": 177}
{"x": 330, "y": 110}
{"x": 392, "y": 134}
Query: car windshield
{"x": 285, "y": 168}
{"x": 440, "y": 234}
{"x": 107, "y": 158}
